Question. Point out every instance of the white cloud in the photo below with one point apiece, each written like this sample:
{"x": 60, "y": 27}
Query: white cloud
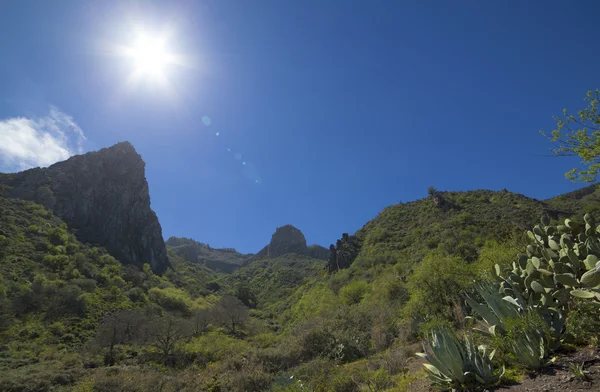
{"x": 33, "y": 142}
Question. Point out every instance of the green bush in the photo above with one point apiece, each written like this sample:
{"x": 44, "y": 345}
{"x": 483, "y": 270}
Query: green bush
{"x": 171, "y": 299}
{"x": 354, "y": 292}
{"x": 583, "y": 323}
{"x": 435, "y": 286}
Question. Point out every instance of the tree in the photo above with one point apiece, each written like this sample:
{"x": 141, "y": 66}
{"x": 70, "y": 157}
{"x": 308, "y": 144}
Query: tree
{"x": 167, "y": 333}
{"x": 118, "y": 328}
{"x": 435, "y": 285}
{"x": 431, "y": 191}
{"x": 200, "y": 321}
{"x": 231, "y": 314}
{"x": 579, "y": 135}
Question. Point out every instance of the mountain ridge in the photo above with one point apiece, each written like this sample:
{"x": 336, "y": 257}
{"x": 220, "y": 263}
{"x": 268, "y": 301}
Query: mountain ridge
{"x": 103, "y": 195}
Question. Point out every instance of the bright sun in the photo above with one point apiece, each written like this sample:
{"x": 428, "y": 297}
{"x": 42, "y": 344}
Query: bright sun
{"x": 150, "y": 56}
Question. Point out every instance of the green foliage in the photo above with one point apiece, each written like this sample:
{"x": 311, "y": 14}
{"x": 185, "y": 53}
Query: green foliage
{"x": 583, "y": 323}
{"x": 320, "y": 301}
{"x": 495, "y": 252}
{"x": 560, "y": 265}
{"x": 354, "y": 292}
{"x": 172, "y": 299}
{"x": 264, "y": 322}
{"x": 452, "y": 363}
{"x": 434, "y": 287}
{"x": 579, "y": 135}
{"x": 265, "y": 284}
{"x": 577, "y": 371}
{"x": 216, "y": 346}
{"x": 525, "y": 341}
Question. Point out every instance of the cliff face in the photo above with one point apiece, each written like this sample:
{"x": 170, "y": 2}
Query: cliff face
{"x": 343, "y": 253}
{"x": 288, "y": 239}
{"x": 104, "y": 196}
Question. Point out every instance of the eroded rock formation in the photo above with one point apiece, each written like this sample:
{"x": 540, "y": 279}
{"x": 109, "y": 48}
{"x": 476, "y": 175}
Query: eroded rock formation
{"x": 104, "y": 196}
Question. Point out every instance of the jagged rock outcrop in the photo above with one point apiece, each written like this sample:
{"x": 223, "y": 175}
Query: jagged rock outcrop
{"x": 288, "y": 239}
{"x": 104, "y": 196}
{"x": 343, "y": 253}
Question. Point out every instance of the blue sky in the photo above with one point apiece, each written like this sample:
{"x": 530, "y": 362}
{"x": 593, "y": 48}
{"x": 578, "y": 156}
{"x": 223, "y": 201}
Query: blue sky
{"x": 337, "y": 108}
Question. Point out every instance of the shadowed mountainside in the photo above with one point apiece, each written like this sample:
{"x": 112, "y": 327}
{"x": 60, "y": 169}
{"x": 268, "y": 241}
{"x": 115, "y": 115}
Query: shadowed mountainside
{"x": 104, "y": 196}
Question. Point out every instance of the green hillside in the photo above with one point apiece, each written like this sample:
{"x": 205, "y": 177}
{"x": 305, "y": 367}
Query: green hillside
{"x": 278, "y": 324}
{"x": 271, "y": 280}
{"x": 219, "y": 260}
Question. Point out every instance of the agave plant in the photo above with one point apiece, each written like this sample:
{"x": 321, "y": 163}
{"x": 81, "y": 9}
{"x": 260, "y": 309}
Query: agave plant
{"x": 530, "y": 349}
{"x": 457, "y": 364}
{"x": 496, "y": 310}
{"x": 499, "y": 308}
{"x": 530, "y": 343}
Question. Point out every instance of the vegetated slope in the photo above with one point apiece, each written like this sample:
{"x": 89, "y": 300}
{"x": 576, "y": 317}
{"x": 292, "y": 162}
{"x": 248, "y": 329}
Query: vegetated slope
{"x": 223, "y": 260}
{"x": 343, "y": 331}
{"x": 55, "y": 290}
{"x": 581, "y": 201}
{"x": 460, "y": 225}
{"x": 104, "y": 196}
{"x": 271, "y": 281}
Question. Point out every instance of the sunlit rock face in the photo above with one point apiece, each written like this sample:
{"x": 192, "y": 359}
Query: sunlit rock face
{"x": 104, "y": 196}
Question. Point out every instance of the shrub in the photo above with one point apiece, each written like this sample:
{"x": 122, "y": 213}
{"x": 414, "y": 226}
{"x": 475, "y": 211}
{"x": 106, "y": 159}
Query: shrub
{"x": 525, "y": 342}
{"x": 171, "y": 299}
{"x": 354, "y": 292}
{"x": 583, "y": 323}
{"x": 435, "y": 285}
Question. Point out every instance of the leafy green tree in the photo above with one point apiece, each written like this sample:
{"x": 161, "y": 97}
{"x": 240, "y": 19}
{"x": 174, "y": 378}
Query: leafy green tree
{"x": 579, "y": 135}
{"x": 435, "y": 285}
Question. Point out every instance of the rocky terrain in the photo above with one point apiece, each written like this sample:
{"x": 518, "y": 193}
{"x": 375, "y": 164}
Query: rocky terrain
{"x": 102, "y": 195}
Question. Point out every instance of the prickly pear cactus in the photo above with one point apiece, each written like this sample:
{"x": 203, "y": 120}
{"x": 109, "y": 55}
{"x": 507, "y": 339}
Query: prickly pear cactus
{"x": 562, "y": 261}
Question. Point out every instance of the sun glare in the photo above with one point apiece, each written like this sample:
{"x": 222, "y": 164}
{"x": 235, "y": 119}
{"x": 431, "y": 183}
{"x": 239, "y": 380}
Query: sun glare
{"x": 150, "y": 56}
{"x": 150, "y": 60}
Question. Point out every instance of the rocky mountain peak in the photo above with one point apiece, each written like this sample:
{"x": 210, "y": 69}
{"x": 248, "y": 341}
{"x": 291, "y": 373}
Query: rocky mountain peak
{"x": 289, "y": 239}
{"x": 104, "y": 196}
